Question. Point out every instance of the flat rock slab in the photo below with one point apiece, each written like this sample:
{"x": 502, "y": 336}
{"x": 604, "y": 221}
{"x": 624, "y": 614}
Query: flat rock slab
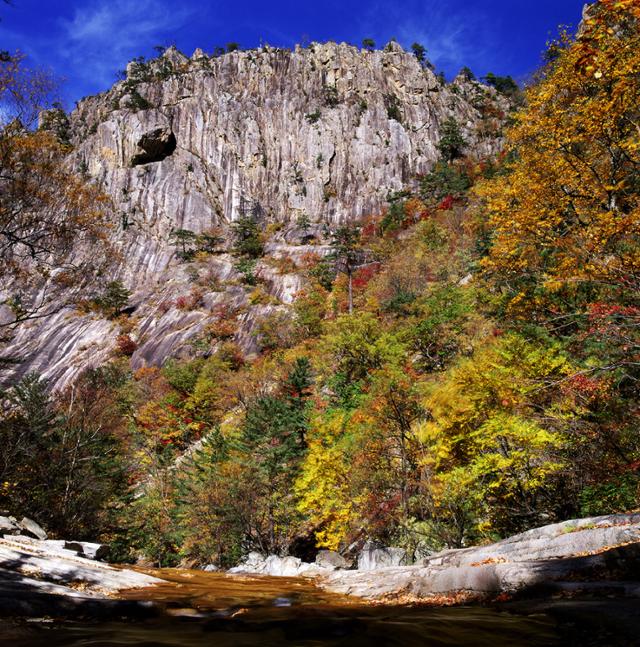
{"x": 601, "y": 549}
{"x": 52, "y": 564}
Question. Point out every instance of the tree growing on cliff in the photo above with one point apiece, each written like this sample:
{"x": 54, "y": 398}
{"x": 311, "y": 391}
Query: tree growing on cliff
{"x": 247, "y": 236}
{"x": 451, "y": 143}
{"x": 348, "y": 253}
{"x": 419, "y": 51}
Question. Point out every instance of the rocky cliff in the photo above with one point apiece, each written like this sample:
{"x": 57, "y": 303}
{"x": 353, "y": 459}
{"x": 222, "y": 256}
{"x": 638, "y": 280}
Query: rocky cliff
{"x": 326, "y": 131}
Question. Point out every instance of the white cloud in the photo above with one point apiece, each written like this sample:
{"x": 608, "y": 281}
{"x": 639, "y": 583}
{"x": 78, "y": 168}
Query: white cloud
{"x": 454, "y": 36}
{"x": 103, "y": 35}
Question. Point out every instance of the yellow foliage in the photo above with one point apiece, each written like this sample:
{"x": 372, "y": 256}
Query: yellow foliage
{"x": 567, "y": 212}
{"x": 323, "y": 484}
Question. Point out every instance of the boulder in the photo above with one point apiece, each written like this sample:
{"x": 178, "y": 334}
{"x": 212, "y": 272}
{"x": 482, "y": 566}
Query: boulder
{"x": 32, "y": 528}
{"x": 88, "y": 549}
{"x": 372, "y": 557}
{"x": 565, "y": 556}
{"x": 282, "y": 566}
{"x": 331, "y": 560}
{"x": 276, "y": 566}
{"x": 9, "y": 526}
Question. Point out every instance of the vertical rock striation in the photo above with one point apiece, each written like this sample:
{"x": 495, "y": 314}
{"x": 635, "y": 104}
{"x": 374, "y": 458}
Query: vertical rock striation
{"x": 326, "y": 131}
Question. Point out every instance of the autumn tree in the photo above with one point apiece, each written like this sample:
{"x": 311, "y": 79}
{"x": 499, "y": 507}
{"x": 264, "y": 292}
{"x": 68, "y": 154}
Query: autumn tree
{"x": 565, "y": 213}
{"x": 47, "y": 212}
{"x": 347, "y": 253}
{"x": 62, "y": 459}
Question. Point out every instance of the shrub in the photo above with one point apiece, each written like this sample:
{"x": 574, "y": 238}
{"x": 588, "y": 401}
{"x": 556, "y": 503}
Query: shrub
{"x": 113, "y": 299}
{"x": 125, "y": 345}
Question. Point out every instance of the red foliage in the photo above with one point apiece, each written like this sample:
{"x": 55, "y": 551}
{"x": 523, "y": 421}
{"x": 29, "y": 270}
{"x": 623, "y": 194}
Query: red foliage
{"x": 126, "y": 345}
{"x": 447, "y": 203}
{"x": 182, "y": 303}
{"x": 362, "y": 276}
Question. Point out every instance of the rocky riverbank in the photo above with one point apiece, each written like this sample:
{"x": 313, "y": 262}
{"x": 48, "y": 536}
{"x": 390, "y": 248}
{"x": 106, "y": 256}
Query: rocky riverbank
{"x": 598, "y": 556}
{"x": 40, "y": 576}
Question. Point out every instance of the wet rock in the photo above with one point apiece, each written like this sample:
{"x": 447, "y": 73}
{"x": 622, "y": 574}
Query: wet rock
{"x": 552, "y": 558}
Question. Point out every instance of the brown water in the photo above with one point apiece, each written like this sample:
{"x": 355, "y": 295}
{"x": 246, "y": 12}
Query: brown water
{"x": 200, "y": 609}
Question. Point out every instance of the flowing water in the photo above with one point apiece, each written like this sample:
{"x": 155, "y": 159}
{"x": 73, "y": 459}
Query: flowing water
{"x": 200, "y": 609}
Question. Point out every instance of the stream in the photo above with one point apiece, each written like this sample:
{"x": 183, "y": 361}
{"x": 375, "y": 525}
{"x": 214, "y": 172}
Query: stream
{"x": 221, "y": 610}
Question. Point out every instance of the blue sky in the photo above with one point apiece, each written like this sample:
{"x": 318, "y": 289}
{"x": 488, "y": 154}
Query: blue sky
{"x": 87, "y": 41}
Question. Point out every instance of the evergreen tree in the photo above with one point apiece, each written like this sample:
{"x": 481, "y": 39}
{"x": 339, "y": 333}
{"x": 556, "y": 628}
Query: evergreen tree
{"x": 451, "y": 141}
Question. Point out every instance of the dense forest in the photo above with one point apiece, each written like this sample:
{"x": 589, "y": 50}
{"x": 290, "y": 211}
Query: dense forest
{"x": 464, "y": 365}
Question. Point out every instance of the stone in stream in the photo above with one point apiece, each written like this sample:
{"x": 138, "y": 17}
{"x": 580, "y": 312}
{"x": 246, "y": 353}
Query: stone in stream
{"x": 276, "y": 566}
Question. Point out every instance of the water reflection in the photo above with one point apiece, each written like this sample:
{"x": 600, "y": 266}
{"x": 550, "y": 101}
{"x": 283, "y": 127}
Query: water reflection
{"x": 200, "y": 609}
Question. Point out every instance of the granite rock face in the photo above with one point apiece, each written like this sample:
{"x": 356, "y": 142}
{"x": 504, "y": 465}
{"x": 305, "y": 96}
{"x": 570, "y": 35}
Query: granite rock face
{"x": 326, "y": 132}
{"x": 599, "y": 552}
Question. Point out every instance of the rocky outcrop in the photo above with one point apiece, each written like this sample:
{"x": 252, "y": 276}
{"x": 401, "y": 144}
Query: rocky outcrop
{"x": 325, "y": 132}
{"x": 573, "y": 556}
{"x": 11, "y": 526}
{"x": 45, "y": 577}
{"x": 373, "y": 557}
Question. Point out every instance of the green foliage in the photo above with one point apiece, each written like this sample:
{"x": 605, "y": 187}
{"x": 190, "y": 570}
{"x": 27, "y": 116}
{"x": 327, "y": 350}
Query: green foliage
{"x": 503, "y": 84}
{"x": 60, "y": 461}
{"x": 247, "y": 267}
{"x": 331, "y": 96}
{"x": 444, "y": 180}
{"x": 394, "y": 217}
{"x": 369, "y": 44}
{"x": 114, "y": 298}
{"x": 188, "y": 243}
{"x": 615, "y": 495}
{"x": 247, "y": 237}
{"x": 304, "y": 222}
{"x": 438, "y": 334}
{"x": 313, "y": 117}
{"x": 419, "y": 51}
{"x": 451, "y": 142}
{"x": 392, "y": 104}
{"x": 468, "y": 74}
{"x": 137, "y": 101}
{"x": 353, "y": 347}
